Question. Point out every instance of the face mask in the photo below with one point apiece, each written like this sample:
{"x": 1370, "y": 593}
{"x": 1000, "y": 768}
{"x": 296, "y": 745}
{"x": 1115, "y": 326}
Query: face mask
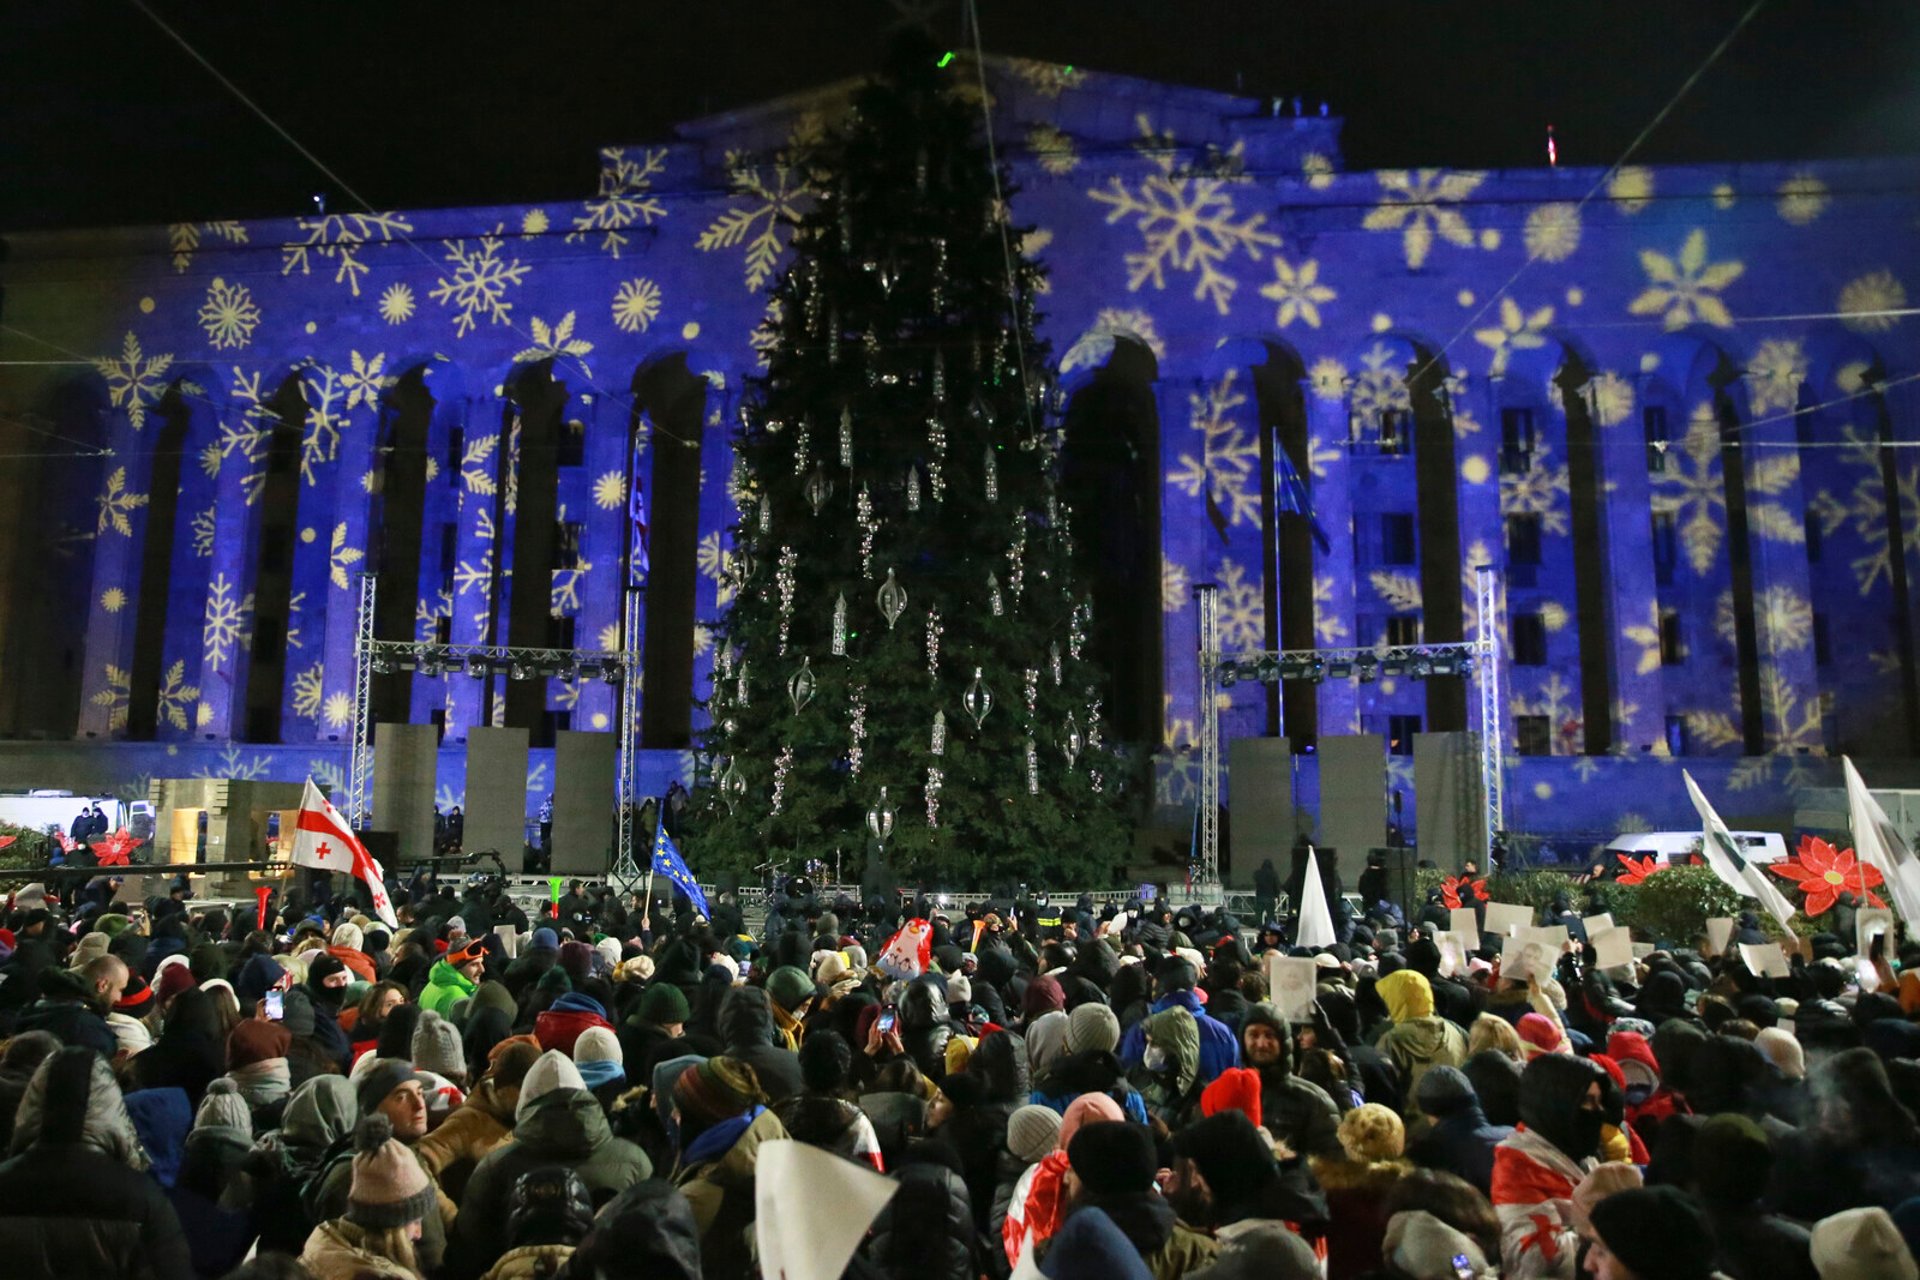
{"x": 1155, "y": 1058}
{"x": 1586, "y": 1132}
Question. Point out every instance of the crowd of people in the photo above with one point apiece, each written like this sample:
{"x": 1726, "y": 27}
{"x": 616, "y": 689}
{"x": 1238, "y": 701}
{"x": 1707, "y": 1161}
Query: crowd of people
{"x": 1070, "y": 1093}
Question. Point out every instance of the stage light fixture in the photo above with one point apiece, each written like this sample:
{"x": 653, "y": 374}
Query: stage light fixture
{"x": 478, "y": 667}
{"x": 1367, "y": 672}
{"x": 1393, "y": 667}
{"x": 1339, "y": 669}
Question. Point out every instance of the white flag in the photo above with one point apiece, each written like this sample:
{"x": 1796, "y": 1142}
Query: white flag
{"x": 1722, "y": 853}
{"x": 324, "y": 839}
{"x": 1880, "y": 846}
{"x": 812, "y": 1208}
{"x": 1315, "y": 926}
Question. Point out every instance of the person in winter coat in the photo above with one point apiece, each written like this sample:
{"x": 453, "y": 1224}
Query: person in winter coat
{"x": 560, "y": 1025}
{"x": 647, "y": 1232}
{"x": 1110, "y": 1170}
{"x": 1417, "y": 1040}
{"x": 1536, "y": 1169}
{"x": 22, "y": 1057}
{"x": 723, "y": 1121}
{"x": 75, "y": 1198}
{"x": 1459, "y": 1140}
{"x": 996, "y": 1084}
{"x": 347, "y": 946}
{"x": 454, "y": 977}
{"x": 1168, "y": 1076}
{"x": 267, "y": 1184}
{"x": 1357, "y": 1185}
{"x": 1860, "y": 1146}
{"x": 747, "y": 1030}
{"x": 556, "y": 1122}
{"x": 1297, "y": 1112}
{"x": 257, "y": 1065}
{"x": 924, "y": 1026}
{"x": 1732, "y": 1162}
{"x": 926, "y": 1230}
{"x": 390, "y": 1197}
{"x": 650, "y": 1034}
{"x": 1225, "y": 1172}
{"x": 822, "y": 1114}
{"x": 1651, "y": 1231}
{"x": 482, "y": 1123}
{"x": 550, "y": 1213}
{"x": 1218, "y": 1049}
{"x": 392, "y": 1088}
{"x": 187, "y": 1055}
{"x": 73, "y": 1006}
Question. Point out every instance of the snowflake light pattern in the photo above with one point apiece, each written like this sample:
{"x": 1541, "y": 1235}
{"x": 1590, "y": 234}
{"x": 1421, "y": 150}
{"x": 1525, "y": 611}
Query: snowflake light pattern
{"x": 1782, "y": 616}
{"x": 1864, "y": 299}
{"x": 765, "y": 202}
{"x": 133, "y": 379}
{"x": 1631, "y": 189}
{"x": 1298, "y": 292}
{"x": 715, "y": 563}
{"x": 564, "y": 595}
{"x": 1175, "y": 586}
{"x": 1693, "y": 490}
{"x": 1775, "y": 373}
{"x": 229, "y": 315}
{"x": 1052, "y": 148}
{"x": 1094, "y": 347}
{"x": 113, "y": 599}
{"x": 1552, "y": 232}
{"x": 474, "y": 471}
{"x": 396, "y": 303}
{"x": 555, "y": 342}
{"x": 1420, "y": 204}
{"x": 1327, "y": 626}
{"x": 340, "y": 238}
{"x": 1687, "y": 288}
{"x": 183, "y": 238}
{"x": 1517, "y": 331}
{"x": 1328, "y": 378}
{"x": 1647, "y": 636}
{"x": 175, "y": 696}
{"x": 1865, "y": 508}
{"x": 1539, "y": 490}
{"x": 341, "y": 558}
{"x": 1188, "y": 223}
{"x": 226, "y": 618}
{"x": 1558, "y": 703}
{"x": 1381, "y": 386}
{"x": 364, "y": 382}
{"x": 1224, "y": 469}
{"x": 117, "y": 503}
{"x": 636, "y": 304}
{"x": 1613, "y": 398}
{"x": 1242, "y": 608}
{"x": 610, "y": 490}
{"x": 323, "y": 391}
{"x": 478, "y": 284}
{"x": 1801, "y": 199}
{"x": 626, "y": 197}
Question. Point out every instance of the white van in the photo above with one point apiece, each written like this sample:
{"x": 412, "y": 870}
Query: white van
{"x": 1684, "y": 846}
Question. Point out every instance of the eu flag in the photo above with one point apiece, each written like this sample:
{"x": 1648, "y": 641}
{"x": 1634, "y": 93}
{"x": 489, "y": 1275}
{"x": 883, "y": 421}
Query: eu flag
{"x": 668, "y": 862}
{"x": 1292, "y": 493}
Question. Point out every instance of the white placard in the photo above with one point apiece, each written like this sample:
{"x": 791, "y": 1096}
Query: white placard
{"x": 1528, "y": 956}
{"x": 1504, "y": 919}
{"x": 1765, "y": 959}
{"x": 509, "y": 942}
{"x": 1612, "y": 947}
{"x": 1290, "y": 985}
{"x": 1868, "y": 924}
{"x": 1464, "y": 925}
{"x": 1719, "y": 933}
{"x": 1453, "y": 954}
{"x": 812, "y": 1209}
{"x": 1597, "y": 924}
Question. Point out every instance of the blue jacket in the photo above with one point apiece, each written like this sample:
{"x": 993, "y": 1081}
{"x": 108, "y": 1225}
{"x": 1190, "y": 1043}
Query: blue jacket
{"x": 1219, "y": 1049}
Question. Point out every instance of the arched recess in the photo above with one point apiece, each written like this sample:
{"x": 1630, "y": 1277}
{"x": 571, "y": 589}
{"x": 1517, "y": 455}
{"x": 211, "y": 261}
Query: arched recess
{"x": 284, "y": 417}
{"x": 396, "y": 526}
{"x": 669, "y": 404}
{"x": 541, "y": 402}
{"x": 1110, "y": 481}
{"x": 168, "y": 435}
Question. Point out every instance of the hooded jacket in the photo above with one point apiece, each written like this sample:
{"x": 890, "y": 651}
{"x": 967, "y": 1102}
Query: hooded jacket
{"x": 1218, "y": 1047}
{"x": 978, "y": 1131}
{"x": 925, "y": 1028}
{"x": 1533, "y": 1174}
{"x": 719, "y": 1188}
{"x": 66, "y": 1009}
{"x": 746, "y": 1028}
{"x": 926, "y": 1230}
{"x": 471, "y": 1132}
{"x": 320, "y": 1113}
{"x": 1460, "y": 1140}
{"x": 445, "y": 985}
{"x": 561, "y": 1024}
{"x": 563, "y": 1127}
{"x": 75, "y": 1200}
{"x": 1417, "y": 1040}
{"x": 1297, "y": 1112}
{"x": 1168, "y": 1246}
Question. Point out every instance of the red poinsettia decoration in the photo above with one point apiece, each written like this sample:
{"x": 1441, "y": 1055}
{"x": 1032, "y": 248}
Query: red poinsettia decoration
{"x": 1823, "y": 873}
{"x": 1634, "y": 870}
{"x": 67, "y": 843}
{"x": 114, "y": 850}
{"x": 1450, "y": 891}
{"x": 7, "y": 841}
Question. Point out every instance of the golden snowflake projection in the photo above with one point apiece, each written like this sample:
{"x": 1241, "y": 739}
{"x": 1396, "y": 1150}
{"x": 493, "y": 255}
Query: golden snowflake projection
{"x": 564, "y": 593}
{"x": 1687, "y": 288}
{"x": 364, "y": 382}
{"x": 610, "y": 490}
{"x": 340, "y": 238}
{"x": 341, "y": 558}
{"x": 1320, "y": 456}
{"x": 1223, "y": 472}
{"x": 226, "y": 618}
{"x": 1053, "y": 148}
{"x": 1553, "y": 615}
{"x": 1094, "y": 347}
{"x": 1517, "y": 331}
{"x": 114, "y": 696}
{"x": 183, "y": 238}
{"x": 337, "y": 710}
{"x": 1783, "y": 619}
{"x": 626, "y": 197}
{"x": 229, "y": 315}
{"x": 1242, "y": 608}
{"x": 325, "y": 394}
{"x": 1559, "y": 704}
{"x": 1693, "y": 490}
{"x": 764, "y": 203}
{"x": 610, "y": 638}
{"x": 1631, "y": 189}
{"x": 636, "y": 304}
{"x": 1046, "y": 79}
{"x": 1790, "y": 728}
{"x": 474, "y": 471}
{"x": 534, "y": 222}
{"x": 1298, "y": 291}
{"x": 1188, "y": 222}
{"x": 1327, "y": 626}
{"x": 117, "y": 503}
{"x": 113, "y": 599}
{"x": 766, "y": 335}
{"x": 427, "y": 614}
{"x": 1774, "y": 375}
{"x": 1865, "y": 508}
{"x": 134, "y": 379}
{"x": 1398, "y": 591}
{"x": 1175, "y": 586}
{"x": 478, "y": 283}
{"x": 555, "y": 342}
{"x": 1801, "y": 199}
{"x": 715, "y": 562}
{"x": 1328, "y": 378}
{"x": 396, "y": 303}
{"x": 1553, "y": 231}
{"x": 1381, "y": 386}
{"x": 1317, "y": 169}
{"x": 1420, "y": 204}
{"x": 1539, "y": 491}
{"x": 1613, "y": 398}
{"x": 1864, "y": 302}
{"x": 175, "y": 696}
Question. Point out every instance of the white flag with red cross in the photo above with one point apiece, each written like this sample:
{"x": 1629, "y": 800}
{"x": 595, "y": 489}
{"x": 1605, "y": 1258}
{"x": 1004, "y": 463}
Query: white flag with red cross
{"x": 324, "y": 840}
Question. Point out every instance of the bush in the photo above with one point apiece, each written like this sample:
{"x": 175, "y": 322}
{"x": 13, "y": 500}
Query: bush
{"x": 1674, "y": 905}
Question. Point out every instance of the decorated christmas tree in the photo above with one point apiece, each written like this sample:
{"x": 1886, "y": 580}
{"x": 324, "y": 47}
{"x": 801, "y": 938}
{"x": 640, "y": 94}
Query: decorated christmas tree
{"x": 905, "y": 663}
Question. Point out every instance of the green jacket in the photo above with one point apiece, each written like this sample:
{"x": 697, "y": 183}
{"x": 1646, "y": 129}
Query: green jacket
{"x": 445, "y": 986}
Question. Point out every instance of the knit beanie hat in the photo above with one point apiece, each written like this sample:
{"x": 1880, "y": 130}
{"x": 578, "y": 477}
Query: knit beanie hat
{"x": 598, "y": 1057}
{"x": 717, "y": 1089}
{"x": 1032, "y": 1132}
{"x": 576, "y": 958}
{"x": 788, "y": 986}
{"x": 171, "y": 978}
{"x": 224, "y": 1107}
{"x": 347, "y": 935}
{"x": 1230, "y": 1153}
{"x": 390, "y": 1189}
{"x": 137, "y": 1000}
{"x": 544, "y": 940}
{"x": 1092, "y": 1026}
{"x": 959, "y": 990}
{"x": 380, "y": 1079}
{"x": 437, "y": 1046}
{"x": 1113, "y": 1159}
{"x": 253, "y": 1040}
{"x": 555, "y": 979}
{"x": 1088, "y": 1108}
{"x": 1861, "y": 1244}
{"x": 1659, "y": 1233}
{"x": 663, "y": 1005}
{"x": 1235, "y": 1089}
{"x": 1732, "y": 1161}
{"x": 1783, "y": 1051}
{"x": 1372, "y": 1132}
{"x": 554, "y": 1070}
{"x": 609, "y": 952}
{"x": 1602, "y": 1181}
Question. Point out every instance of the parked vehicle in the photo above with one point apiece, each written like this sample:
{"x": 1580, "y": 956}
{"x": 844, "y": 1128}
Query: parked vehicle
{"x": 1684, "y": 846}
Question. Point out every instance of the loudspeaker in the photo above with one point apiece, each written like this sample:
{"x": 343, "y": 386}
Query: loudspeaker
{"x": 584, "y": 767}
{"x": 405, "y": 757}
{"x": 1447, "y": 797}
{"x": 1260, "y": 804}
{"x": 496, "y": 801}
{"x": 1353, "y": 790}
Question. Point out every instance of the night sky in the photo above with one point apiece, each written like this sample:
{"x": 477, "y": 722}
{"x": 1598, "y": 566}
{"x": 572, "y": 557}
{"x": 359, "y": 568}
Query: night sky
{"x": 104, "y": 121}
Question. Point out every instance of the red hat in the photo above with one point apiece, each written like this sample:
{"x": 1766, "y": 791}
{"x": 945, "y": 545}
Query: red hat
{"x": 6, "y": 937}
{"x": 174, "y": 978}
{"x": 1236, "y": 1089}
{"x": 136, "y": 1000}
{"x": 1539, "y": 1033}
{"x": 1635, "y": 1056}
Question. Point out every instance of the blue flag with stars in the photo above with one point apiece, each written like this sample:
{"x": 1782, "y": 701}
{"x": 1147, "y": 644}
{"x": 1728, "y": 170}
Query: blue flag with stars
{"x": 668, "y": 862}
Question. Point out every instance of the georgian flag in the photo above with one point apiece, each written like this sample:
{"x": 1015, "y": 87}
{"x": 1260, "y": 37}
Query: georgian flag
{"x": 324, "y": 840}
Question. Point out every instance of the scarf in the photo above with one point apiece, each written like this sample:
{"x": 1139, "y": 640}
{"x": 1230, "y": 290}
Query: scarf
{"x": 262, "y": 1083}
{"x": 787, "y": 1027}
{"x": 719, "y": 1140}
{"x": 601, "y": 1071}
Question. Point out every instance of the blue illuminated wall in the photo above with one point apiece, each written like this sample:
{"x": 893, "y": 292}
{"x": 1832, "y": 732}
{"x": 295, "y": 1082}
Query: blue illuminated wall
{"x": 1590, "y": 313}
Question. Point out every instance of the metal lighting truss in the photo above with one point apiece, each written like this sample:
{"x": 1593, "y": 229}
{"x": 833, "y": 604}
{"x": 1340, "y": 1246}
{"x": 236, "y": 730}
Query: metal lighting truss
{"x": 371, "y": 656}
{"x": 1479, "y": 658}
